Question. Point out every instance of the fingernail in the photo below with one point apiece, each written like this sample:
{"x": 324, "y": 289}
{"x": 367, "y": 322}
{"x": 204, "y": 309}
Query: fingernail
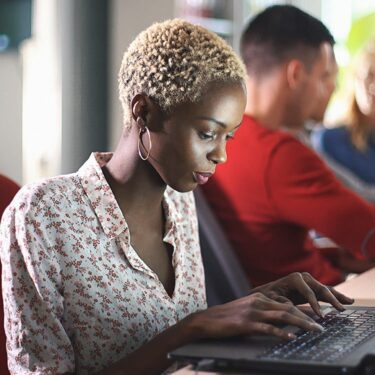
{"x": 317, "y": 326}
{"x": 291, "y": 336}
{"x": 319, "y": 311}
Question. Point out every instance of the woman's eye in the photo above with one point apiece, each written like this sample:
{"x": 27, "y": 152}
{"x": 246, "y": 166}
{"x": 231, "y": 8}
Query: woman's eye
{"x": 206, "y": 135}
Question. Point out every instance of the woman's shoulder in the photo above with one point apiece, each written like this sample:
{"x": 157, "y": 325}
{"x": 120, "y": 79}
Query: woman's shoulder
{"x": 325, "y": 139}
{"x": 338, "y": 131}
{"x": 46, "y": 192}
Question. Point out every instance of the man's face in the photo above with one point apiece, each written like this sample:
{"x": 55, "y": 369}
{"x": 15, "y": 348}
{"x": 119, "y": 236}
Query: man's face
{"x": 327, "y": 87}
{"x": 315, "y": 87}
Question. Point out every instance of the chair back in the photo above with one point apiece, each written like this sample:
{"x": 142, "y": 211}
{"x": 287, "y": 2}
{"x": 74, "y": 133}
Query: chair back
{"x": 225, "y": 277}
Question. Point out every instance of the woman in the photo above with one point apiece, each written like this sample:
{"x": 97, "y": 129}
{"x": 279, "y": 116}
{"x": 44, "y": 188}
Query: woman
{"x": 350, "y": 149}
{"x": 102, "y": 268}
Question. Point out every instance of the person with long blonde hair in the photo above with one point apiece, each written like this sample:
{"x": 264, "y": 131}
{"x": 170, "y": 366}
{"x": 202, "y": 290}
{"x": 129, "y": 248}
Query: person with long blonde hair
{"x": 349, "y": 149}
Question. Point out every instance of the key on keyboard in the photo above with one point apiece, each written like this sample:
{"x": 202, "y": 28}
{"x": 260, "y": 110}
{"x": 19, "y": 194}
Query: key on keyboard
{"x": 343, "y": 332}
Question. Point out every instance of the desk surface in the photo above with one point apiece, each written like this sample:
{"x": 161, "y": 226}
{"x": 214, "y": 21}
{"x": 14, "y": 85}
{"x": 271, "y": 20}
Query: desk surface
{"x": 360, "y": 287}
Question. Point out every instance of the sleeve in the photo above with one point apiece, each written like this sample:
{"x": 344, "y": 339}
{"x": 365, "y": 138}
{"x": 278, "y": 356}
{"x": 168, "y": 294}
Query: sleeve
{"x": 33, "y": 304}
{"x": 304, "y": 191}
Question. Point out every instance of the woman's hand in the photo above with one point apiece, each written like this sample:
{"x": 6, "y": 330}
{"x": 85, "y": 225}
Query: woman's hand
{"x": 253, "y": 314}
{"x": 300, "y": 288}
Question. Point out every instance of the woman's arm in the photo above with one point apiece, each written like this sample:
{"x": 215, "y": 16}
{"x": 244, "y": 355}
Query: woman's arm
{"x": 33, "y": 304}
{"x": 151, "y": 358}
{"x": 254, "y": 314}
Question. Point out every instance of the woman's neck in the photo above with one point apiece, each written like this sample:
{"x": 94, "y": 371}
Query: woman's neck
{"x": 135, "y": 184}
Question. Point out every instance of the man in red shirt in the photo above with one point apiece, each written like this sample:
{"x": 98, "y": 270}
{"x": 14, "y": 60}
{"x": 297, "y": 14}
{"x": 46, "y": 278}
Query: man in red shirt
{"x": 8, "y": 190}
{"x": 273, "y": 189}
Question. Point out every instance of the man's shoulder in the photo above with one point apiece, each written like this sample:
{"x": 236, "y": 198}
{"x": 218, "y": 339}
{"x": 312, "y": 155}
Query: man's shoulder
{"x": 267, "y": 139}
{"x": 293, "y": 155}
{"x": 286, "y": 143}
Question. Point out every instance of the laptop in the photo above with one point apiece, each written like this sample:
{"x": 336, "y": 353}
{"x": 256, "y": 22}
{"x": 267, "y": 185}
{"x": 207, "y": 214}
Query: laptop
{"x": 346, "y": 346}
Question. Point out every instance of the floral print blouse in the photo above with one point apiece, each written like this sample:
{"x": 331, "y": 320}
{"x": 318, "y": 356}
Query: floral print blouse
{"x": 77, "y": 297}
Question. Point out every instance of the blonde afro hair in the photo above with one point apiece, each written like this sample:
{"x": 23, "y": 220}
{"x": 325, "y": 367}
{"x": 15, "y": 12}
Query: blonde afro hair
{"x": 172, "y": 62}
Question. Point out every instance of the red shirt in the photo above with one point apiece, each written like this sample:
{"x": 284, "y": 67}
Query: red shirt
{"x": 8, "y": 190}
{"x": 270, "y": 192}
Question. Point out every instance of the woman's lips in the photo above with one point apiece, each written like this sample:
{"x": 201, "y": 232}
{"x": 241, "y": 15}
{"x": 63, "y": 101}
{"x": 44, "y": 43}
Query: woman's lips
{"x": 202, "y": 177}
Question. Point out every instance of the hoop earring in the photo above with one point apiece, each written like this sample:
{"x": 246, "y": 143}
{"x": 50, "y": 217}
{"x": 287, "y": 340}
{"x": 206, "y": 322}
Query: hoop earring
{"x": 140, "y": 142}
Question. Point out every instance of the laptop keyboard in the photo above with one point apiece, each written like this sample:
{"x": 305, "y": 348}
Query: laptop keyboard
{"x": 343, "y": 332}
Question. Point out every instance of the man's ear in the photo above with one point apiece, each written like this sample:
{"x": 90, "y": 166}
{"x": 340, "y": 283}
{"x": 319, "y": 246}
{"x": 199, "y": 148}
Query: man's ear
{"x": 294, "y": 73}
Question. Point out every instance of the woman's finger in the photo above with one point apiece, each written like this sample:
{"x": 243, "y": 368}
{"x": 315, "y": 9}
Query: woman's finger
{"x": 269, "y": 329}
{"x": 263, "y": 304}
{"x": 341, "y": 297}
{"x": 322, "y": 291}
{"x": 303, "y": 321}
{"x": 271, "y": 305}
{"x": 277, "y": 297}
{"x": 282, "y": 299}
{"x": 327, "y": 296}
{"x": 305, "y": 290}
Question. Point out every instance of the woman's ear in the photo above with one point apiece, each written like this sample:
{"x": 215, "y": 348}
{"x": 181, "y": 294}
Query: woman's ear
{"x": 294, "y": 73}
{"x": 146, "y": 113}
{"x": 139, "y": 107}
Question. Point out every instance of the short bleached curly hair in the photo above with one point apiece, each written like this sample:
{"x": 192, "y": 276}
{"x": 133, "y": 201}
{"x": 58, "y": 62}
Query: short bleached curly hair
{"x": 172, "y": 62}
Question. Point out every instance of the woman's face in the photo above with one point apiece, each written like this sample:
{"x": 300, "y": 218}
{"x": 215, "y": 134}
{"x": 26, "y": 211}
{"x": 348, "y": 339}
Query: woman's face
{"x": 192, "y": 139}
{"x": 364, "y": 88}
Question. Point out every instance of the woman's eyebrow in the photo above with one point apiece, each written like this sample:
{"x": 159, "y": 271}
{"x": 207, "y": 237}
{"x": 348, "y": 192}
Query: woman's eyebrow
{"x": 216, "y": 121}
{"x": 213, "y": 120}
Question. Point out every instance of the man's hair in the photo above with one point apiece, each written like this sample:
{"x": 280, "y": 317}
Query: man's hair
{"x": 172, "y": 62}
{"x": 280, "y": 33}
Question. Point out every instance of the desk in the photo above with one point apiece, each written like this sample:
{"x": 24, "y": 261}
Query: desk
{"x": 362, "y": 288}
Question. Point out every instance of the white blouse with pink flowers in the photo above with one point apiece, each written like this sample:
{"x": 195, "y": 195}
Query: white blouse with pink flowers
{"x": 77, "y": 297}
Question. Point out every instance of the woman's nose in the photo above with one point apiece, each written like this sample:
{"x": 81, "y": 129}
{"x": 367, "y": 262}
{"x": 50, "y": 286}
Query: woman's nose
{"x": 219, "y": 154}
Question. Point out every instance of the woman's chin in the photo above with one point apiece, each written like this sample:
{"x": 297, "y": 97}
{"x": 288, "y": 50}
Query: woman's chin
{"x": 183, "y": 187}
